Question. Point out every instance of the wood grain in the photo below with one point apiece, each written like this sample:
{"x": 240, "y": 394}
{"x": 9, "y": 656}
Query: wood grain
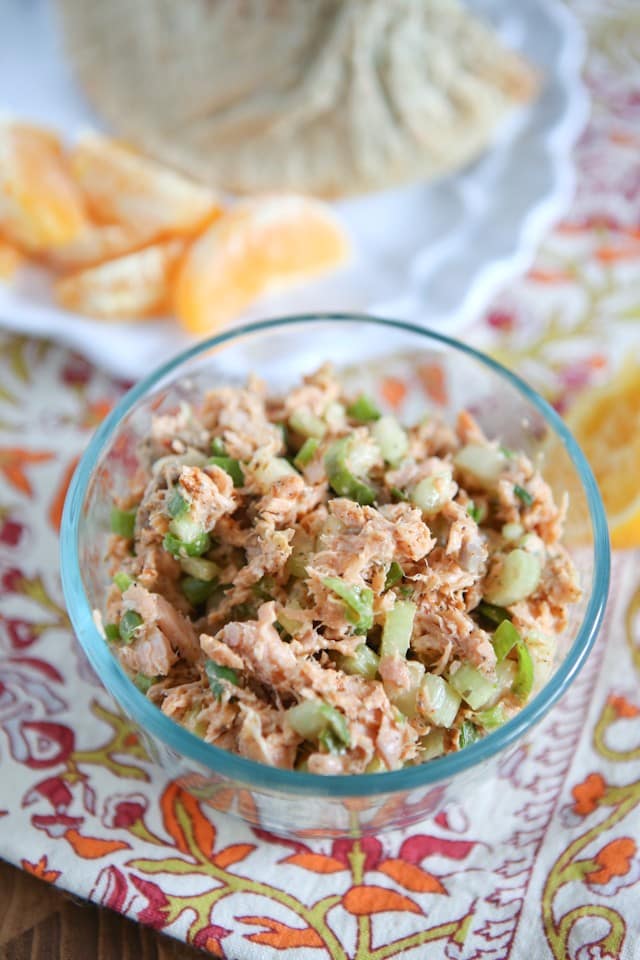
{"x": 39, "y": 922}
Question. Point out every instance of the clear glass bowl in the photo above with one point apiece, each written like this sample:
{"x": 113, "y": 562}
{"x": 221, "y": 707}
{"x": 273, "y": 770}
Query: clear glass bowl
{"x": 425, "y": 371}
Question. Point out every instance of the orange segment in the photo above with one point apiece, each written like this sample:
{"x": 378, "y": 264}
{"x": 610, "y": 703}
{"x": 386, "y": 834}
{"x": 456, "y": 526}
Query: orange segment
{"x": 97, "y": 242}
{"x": 130, "y": 287}
{"x": 124, "y": 187}
{"x": 40, "y": 204}
{"x": 257, "y": 244}
{"x": 10, "y": 260}
{"x": 606, "y": 423}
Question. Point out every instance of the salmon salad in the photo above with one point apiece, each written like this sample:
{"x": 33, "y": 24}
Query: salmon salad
{"x": 304, "y": 581}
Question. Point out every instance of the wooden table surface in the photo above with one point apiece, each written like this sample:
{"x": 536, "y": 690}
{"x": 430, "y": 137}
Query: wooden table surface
{"x": 39, "y": 922}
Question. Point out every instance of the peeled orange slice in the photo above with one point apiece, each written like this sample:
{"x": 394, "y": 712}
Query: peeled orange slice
{"x": 262, "y": 242}
{"x": 40, "y": 204}
{"x": 122, "y": 186}
{"x": 97, "y": 242}
{"x": 126, "y": 288}
{"x": 606, "y": 423}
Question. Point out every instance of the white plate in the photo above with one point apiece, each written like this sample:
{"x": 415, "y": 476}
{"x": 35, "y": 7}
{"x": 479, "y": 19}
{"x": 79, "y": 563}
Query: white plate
{"x": 432, "y": 253}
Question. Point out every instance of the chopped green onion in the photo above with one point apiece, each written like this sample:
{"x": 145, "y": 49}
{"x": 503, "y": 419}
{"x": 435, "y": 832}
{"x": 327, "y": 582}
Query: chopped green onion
{"x": 391, "y": 438}
{"x": 177, "y": 506}
{"x": 306, "y": 423}
{"x": 218, "y": 448}
{"x": 358, "y": 602}
{"x": 112, "y": 632}
{"x": 216, "y": 673}
{"x": 523, "y": 494}
{"x": 523, "y": 684}
{"x": 197, "y": 591}
{"x": 363, "y": 409}
{"x": 492, "y": 718}
{"x": 123, "y": 522}
{"x": 230, "y": 466}
{"x": 341, "y": 478}
{"x": 468, "y": 734}
{"x": 438, "y": 701}
{"x": 122, "y": 581}
{"x": 316, "y": 720}
{"x": 306, "y": 452}
{"x": 491, "y": 611}
{"x": 473, "y": 687}
{"x": 476, "y": 513}
{"x": 431, "y": 493}
{"x": 179, "y": 548}
{"x": 505, "y": 639}
{"x": 506, "y": 452}
{"x": 200, "y": 568}
{"x": 395, "y": 573}
{"x": 143, "y": 682}
{"x": 518, "y": 578}
{"x": 129, "y": 624}
{"x": 363, "y": 662}
{"x": 398, "y": 626}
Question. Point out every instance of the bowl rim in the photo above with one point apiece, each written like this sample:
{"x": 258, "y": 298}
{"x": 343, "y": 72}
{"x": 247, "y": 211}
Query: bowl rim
{"x": 293, "y": 783}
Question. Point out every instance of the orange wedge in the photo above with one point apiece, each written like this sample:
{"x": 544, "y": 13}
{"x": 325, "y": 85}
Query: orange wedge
{"x": 259, "y": 243}
{"x": 606, "y": 423}
{"x": 11, "y": 258}
{"x": 126, "y": 288}
{"x": 97, "y": 242}
{"x": 122, "y": 186}
{"x": 40, "y": 204}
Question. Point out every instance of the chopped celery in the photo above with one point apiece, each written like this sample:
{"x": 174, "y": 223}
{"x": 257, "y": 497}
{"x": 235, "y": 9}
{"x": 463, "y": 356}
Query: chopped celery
{"x": 112, "y": 632}
{"x": 268, "y": 472}
{"x": 468, "y": 734}
{"x": 306, "y": 452}
{"x": 130, "y": 622}
{"x": 391, "y": 438}
{"x": 474, "y": 512}
{"x": 217, "y": 673}
{"x": 122, "y": 581}
{"x": 431, "y": 493}
{"x": 491, "y": 718}
{"x": 218, "y": 448}
{"x": 177, "y": 506}
{"x": 518, "y": 578}
{"x": 523, "y": 684}
{"x": 363, "y": 662}
{"x": 512, "y": 531}
{"x": 398, "y": 626}
{"x": 406, "y": 700}
{"x": 289, "y": 624}
{"x": 143, "y": 682}
{"x": 316, "y": 720}
{"x": 307, "y": 424}
{"x": 200, "y": 568}
{"x": 505, "y": 639}
{"x": 123, "y": 522}
{"x": 432, "y": 745}
{"x": 264, "y": 588}
{"x": 438, "y": 701}
{"x": 472, "y": 686}
{"x": 395, "y": 573}
{"x": 492, "y": 612}
{"x": 197, "y": 591}
{"x": 358, "y": 602}
{"x": 523, "y": 494}
{"x": 363, "y": 409}
{"x": 334, "y": 415}
{"x": 180, "y": 549}
{"x": 375, "y": 765}
{"x": 483, "y": 463}
{"x": 342, "y": 478}
{"x": 185, "y": 528}
{"x": 506, "y": 673}
{"x": 231, "y": 466}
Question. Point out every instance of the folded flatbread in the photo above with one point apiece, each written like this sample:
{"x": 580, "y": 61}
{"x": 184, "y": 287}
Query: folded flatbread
{"x": 332, "y": 97}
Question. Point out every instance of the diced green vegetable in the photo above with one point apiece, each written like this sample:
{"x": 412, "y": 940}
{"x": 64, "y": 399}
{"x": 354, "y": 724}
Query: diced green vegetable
{"x": 512, "y": 531}
{"x": 438, "y": 701}
{"x": 218, "y": 675}
{"x": 492, "y": 612}
{"x": 341, "y": 476}
{"x": 375, "y": 765}
{"x": 398, "y": 626}
{"x": 506, "y": 452}
{"x": 271, "y": 471}
{"x": 112, "y": 632}
{"x": 523, "y": 495}
{"x": 143, "y": 682}
{"x": 476, "y": 513}
{"x": 391, "y": 438}
{"x": 123, "y": 522}
{"x": 200, "y": 568}
{"x": 264, "y": 588}
{"x": 395, "y": 573}
{"x": 483, "y": 463}
{"x": 306, "y": 452}
{"x": 398, "y": 494}
{"x": 177, "y": 506}
{"x": 363, "y": 662}
{"x": 180, "y": 549}
{"x": 231, "y": 466}
{"x": 364, "y": 409}
{"x": 473, "y": 687}
{"x": 431, "y": 493}
{"x": 523, "y": 684}
{"x": 468, "y": 734}
{"x": 432, "y": 745}
{"x": 491, "y": 718}
{"x": 316, "y": 720}
{"x": 358, "y": 602}
{"x": 406, "y": 700}
{"x": 185, "y": 528}
{"x": 289, "y": 624}
{"x": 122, "y": 581}
{"x": 218, "y": 448}
{"x": 197, "y": 591}
{"x": 506, "y": 673}
{"x": 505, "y": 639}
{"x": 517, "y": 579}
{"x": 243, "y": 611}
{"x": 306, "y": 423}
{"x": 333, "y": 415}
{"x": 130, "y": 621}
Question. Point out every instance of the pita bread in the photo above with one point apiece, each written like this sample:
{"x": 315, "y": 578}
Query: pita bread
{"x": 331, "y": 97}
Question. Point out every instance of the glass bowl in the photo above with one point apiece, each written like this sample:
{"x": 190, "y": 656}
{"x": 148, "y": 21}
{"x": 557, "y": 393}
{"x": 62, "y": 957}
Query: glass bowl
{"x": 414, "y": 370}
